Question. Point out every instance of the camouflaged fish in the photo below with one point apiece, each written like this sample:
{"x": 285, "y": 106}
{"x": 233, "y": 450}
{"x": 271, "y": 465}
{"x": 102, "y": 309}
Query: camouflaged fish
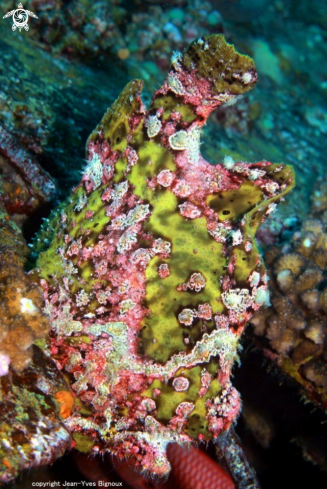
{"x": 152, "y": 272}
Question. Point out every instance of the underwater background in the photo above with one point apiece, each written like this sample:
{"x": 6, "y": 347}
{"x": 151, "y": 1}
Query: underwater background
{"x": 59, "y": 77}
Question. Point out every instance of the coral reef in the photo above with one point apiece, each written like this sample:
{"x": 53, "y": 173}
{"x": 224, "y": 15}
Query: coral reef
{"x": 31, "y": 414}
{"x": 21, "y": 318}
{"x": 79, "y": 28}
{"x": 152, "y": 272}
{"x": 155, "y": 32}
{"x": 24, "y": 185}
{"x": 296, "y": 324}
{"x": 108, "y": 28}
{"x": 319, "y": 199}
{"x": 275, "y": 416}
{"x": 34, "y": 398}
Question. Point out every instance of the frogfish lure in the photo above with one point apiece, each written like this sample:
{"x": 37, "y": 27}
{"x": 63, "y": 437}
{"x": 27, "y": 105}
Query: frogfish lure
{"x": 152, "y": 271}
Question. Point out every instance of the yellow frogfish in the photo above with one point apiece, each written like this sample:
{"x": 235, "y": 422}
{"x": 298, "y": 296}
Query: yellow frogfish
{"x": 151, "y": 272}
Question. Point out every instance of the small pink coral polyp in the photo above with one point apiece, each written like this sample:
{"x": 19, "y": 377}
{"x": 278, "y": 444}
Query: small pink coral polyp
{"x": 186, "y": 317}
{"x": 165, "y": 178}
{"x": 181, "y": 384}
{"x": 197, "y": 282}
{"x": 205, "y": 312}
{"x": 189, "y": 210}
{"x": 164, "y": 270}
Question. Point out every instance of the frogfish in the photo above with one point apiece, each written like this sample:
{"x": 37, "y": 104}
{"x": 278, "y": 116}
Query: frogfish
{"x": 150, "y": 270}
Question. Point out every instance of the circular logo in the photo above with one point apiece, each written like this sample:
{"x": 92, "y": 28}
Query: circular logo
{"x": 20, "y": 19}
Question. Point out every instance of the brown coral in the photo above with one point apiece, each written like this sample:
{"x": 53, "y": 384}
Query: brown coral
{"x": 32, "y": 433}
{"x": 319, "y": 199}
{"x": 24, "y": 184}
{"x": 295, "y": 325}
{"x": 292, "y": 261}
{"x": 21, "y": 318}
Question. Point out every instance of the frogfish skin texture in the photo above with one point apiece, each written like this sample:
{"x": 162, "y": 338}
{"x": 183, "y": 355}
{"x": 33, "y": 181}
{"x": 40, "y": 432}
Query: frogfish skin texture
{"x": 152, "y": 272}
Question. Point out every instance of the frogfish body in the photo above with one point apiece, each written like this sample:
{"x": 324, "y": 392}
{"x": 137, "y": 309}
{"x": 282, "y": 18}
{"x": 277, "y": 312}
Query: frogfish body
{"x": 152, "y": 271}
